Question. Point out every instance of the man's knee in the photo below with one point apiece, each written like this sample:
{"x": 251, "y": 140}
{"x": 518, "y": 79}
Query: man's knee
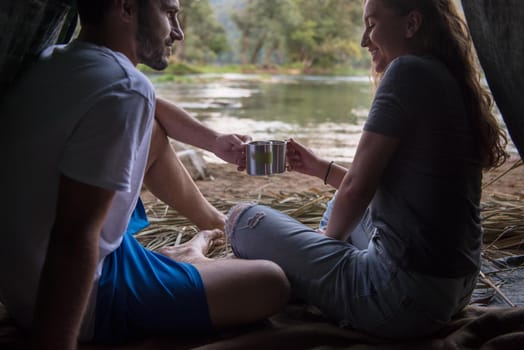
{"x": 273, "y": 282}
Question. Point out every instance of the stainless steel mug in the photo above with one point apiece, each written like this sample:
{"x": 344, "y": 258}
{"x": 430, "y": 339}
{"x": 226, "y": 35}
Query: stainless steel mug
{"x": 259, "y": 158}
{"x": 278, "y": 148}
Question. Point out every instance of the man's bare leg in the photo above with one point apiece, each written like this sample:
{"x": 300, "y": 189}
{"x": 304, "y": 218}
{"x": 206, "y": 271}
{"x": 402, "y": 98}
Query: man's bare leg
{"x": 168, "y": 180}
{"x": 238, "y": 291}
{"x": 195, "y": 250}
{"x": 243, "y": 291}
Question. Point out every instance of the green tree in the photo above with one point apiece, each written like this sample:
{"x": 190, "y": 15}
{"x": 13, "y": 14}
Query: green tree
{"x": 205, "y": 36}
{"x": 316, "y": 33}
{"x": 329, "y": 32}
{"x": 263, "y": 25}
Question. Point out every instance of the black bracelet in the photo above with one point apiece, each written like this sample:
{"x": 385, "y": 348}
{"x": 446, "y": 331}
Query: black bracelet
{"x": 327, "y": 172}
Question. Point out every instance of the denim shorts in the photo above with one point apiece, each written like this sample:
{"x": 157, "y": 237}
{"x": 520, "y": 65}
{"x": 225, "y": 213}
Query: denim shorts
{"x": 358, "y": 288}
{"x": 360, "y": 236}
{"x": 143, "y": 293}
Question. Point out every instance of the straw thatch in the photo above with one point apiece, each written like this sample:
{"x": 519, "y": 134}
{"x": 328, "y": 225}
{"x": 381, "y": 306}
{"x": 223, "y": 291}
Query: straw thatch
{"x": 502, "y": 218}
{"x": 168, "y": 228}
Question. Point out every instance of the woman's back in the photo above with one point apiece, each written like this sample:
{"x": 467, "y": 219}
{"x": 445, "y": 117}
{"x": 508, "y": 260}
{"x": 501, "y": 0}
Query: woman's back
{"x": 427, "y": 203}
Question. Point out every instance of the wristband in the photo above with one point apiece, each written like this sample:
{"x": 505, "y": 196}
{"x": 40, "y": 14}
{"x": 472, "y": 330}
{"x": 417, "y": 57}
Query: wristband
{"x": 327, "y": 172}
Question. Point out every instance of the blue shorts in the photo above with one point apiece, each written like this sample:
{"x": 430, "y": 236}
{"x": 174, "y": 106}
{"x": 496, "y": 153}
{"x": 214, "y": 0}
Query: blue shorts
{"x": 143, "y": 293}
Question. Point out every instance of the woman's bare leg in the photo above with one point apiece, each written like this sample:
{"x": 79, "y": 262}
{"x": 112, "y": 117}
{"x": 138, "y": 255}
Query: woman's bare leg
{"x": 168, "y": 180}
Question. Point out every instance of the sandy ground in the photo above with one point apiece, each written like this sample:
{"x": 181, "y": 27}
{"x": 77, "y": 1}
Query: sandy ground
{"x": 226, "y": 182}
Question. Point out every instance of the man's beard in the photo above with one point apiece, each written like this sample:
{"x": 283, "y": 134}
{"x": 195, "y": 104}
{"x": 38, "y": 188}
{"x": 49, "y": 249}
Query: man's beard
{"x": 150, "y": 52}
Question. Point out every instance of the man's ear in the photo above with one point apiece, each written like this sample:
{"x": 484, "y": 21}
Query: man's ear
{"x": 126, "y": 9}
{"x": 413, "y": 24}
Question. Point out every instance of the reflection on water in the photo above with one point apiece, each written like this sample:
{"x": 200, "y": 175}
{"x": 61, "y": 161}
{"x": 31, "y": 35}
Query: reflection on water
{"x": 325, "y": 113}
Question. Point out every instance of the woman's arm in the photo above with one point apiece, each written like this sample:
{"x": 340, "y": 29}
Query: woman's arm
{"x": 303, "y": 160}
{"x": 360, "y": 182}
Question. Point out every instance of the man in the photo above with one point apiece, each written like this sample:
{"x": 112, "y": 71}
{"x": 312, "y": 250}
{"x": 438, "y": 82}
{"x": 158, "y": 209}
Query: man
{"x": 77, "y": 153}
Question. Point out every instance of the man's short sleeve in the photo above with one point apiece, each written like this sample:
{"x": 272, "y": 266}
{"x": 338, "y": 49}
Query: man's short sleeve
{"x": 102, "y": 147}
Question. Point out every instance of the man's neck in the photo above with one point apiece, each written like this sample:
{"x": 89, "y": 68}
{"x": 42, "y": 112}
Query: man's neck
{"x": 110, "y": 38}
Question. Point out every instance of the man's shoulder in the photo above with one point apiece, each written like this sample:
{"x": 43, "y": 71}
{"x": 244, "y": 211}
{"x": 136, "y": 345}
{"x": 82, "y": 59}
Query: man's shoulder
{"x": 96, "y": 66}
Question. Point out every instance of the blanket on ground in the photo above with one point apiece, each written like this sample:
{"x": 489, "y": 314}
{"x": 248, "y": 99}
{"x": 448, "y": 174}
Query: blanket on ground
{"x": 297, "y": 328}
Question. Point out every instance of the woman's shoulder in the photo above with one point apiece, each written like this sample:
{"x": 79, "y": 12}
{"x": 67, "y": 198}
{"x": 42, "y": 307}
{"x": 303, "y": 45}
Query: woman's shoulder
{"x": 415, "y": 70}
{"x": 412, "y": 62}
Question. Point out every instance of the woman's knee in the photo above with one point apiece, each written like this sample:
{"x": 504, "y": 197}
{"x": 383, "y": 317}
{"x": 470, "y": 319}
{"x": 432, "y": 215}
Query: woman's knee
{"x": 234, "y": 215}
{"x": 234, "y": 223}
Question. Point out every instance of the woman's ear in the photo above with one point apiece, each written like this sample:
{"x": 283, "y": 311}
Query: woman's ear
{"x": 413, "y": 24}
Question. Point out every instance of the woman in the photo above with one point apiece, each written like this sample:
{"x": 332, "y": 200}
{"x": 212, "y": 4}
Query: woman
{"x": 413, "y": 191}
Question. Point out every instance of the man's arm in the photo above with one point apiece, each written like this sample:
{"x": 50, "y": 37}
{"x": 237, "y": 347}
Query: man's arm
{"x": 70, "y": 265}
{"x": 181, "y": 126}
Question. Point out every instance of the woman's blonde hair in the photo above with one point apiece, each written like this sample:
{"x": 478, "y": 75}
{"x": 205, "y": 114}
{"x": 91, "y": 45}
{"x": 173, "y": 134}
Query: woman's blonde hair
{"x": 444, "y": 34}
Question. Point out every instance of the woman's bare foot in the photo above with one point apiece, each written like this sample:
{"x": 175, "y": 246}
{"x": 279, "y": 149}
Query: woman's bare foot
{"x": 194, "y": 250}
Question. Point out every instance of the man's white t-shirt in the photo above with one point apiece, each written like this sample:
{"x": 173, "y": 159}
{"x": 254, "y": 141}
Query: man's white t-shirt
{"x": 83, "y": 111}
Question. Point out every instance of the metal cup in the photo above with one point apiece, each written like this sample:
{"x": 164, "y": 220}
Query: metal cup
{"x": 259, "y": 158}
{"x": 278, "y": 148}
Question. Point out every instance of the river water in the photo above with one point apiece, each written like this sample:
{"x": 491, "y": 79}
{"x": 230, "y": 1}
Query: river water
{"x": 324, "y": 113}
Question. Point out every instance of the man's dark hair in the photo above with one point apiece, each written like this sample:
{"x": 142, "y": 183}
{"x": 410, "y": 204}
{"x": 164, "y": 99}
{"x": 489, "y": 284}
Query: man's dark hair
{"x": 92, "y": 11}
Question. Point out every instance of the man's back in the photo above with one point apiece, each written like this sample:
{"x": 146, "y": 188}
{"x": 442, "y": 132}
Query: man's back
{"x": 82, "y": 111}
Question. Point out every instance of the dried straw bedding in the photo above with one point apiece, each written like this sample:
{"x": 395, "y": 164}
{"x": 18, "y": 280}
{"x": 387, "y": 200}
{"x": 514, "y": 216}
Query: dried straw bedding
{"x": 500, "y": 286}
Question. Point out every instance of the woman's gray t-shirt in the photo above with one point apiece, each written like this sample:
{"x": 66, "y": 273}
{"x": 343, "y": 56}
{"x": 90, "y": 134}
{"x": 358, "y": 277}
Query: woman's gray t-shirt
{"x": 426, "y": 208}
